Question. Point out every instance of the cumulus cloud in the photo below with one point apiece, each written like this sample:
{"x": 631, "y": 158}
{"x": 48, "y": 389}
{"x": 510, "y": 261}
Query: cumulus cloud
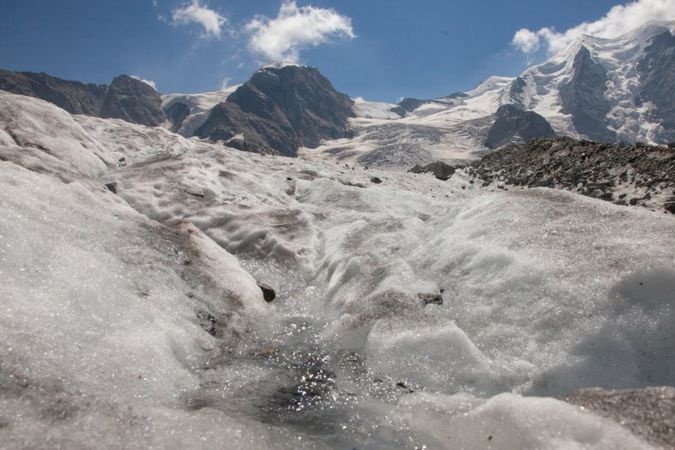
{"x": 212, "y": 23}
{"x": 281, "y": 39}
{"x": 150, "y": 83}
{"x": 619, "y": 20}
{"x": 526, "y": 40}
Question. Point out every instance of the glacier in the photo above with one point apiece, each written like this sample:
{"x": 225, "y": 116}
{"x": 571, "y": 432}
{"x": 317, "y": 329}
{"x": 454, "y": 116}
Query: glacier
{"x": 133, "y": 318}
{"x": 454, "y": 128}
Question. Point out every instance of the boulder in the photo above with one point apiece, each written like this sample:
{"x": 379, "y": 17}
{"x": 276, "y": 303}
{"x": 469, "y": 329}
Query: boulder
{"x": 439, "y": 169}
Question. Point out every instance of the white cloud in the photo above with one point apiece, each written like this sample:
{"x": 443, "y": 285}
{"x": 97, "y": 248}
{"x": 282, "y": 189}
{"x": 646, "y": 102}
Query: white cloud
{"x": 150, "y": 83}
{"x": 212, "y": 23}
{"x": 281, "y": 39}
{"x": 526, "y": 40}
{"x": 225, "y": 83}
{"x": 619, "y": 20}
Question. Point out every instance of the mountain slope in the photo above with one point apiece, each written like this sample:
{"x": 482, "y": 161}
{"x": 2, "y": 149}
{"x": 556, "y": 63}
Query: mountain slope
{"x": 73, "y": 96}
{"x": 126, "y": 98}
{"x": 657, "y": 79}
{"x": 583, "y": 97}
{"x": 195, "y": 109}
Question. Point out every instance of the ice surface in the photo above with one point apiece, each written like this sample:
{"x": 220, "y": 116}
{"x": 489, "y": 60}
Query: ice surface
{"x": 35, "y": 134}
{"x": 99, "y": 317}
{"x": 374, "y": 110}
{"x": 135, "y": 319}
{"x": 509, "y": 421}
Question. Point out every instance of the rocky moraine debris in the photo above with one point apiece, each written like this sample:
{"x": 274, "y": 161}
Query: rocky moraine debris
{"x": 635, "y": 175}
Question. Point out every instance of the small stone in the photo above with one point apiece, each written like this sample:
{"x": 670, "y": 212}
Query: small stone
{"x": 268, "y": 292}
{"x": 402, "y": 385}
{"x": 434, "y": 299}
{"x": 375, "y": 180}
{"x": 267, "y": 352}
{"x": 112, "y": 187}
{"x": 670, "y": 205}
{"x": 207, "y": 322}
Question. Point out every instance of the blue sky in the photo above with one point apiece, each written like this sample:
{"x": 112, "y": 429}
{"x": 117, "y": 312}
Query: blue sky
{"x": 378, "y": 49}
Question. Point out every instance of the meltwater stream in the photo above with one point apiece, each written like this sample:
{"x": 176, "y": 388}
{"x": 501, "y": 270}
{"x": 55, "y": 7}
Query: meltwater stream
{"x": 290, "y": 378}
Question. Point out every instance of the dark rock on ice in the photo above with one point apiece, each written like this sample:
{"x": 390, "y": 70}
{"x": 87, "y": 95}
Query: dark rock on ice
{"x": 112, "y": 187}
{"x": 431, "y": 299}
{"x": 207, "y": 322}
{"x": 268, "y": 293}
{"x": 669, "y": 205}
{"x": 439, "y": 169}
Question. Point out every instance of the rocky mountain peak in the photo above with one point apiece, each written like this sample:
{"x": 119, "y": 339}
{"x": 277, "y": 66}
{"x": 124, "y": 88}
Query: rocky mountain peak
{"x": 512, "y": 124}
{"x": 126, "y": 98}
{"x": 583, "y": 96}
{"x": 73, "y": 96}
{"x": 134, "y": 101}
{"x": 279, "y": 110}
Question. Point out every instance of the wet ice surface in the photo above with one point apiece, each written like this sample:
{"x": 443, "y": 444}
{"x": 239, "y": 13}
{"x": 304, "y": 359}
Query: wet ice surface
{"x": 289, "y": 376}
{"x": 134, "y": 319}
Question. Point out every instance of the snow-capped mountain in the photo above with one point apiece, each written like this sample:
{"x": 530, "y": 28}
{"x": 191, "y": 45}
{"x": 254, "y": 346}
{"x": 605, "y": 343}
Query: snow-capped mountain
{"x": 188, "y": 112}
{"x": 608, "y": 90}
{"x": 605, "y": 89}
